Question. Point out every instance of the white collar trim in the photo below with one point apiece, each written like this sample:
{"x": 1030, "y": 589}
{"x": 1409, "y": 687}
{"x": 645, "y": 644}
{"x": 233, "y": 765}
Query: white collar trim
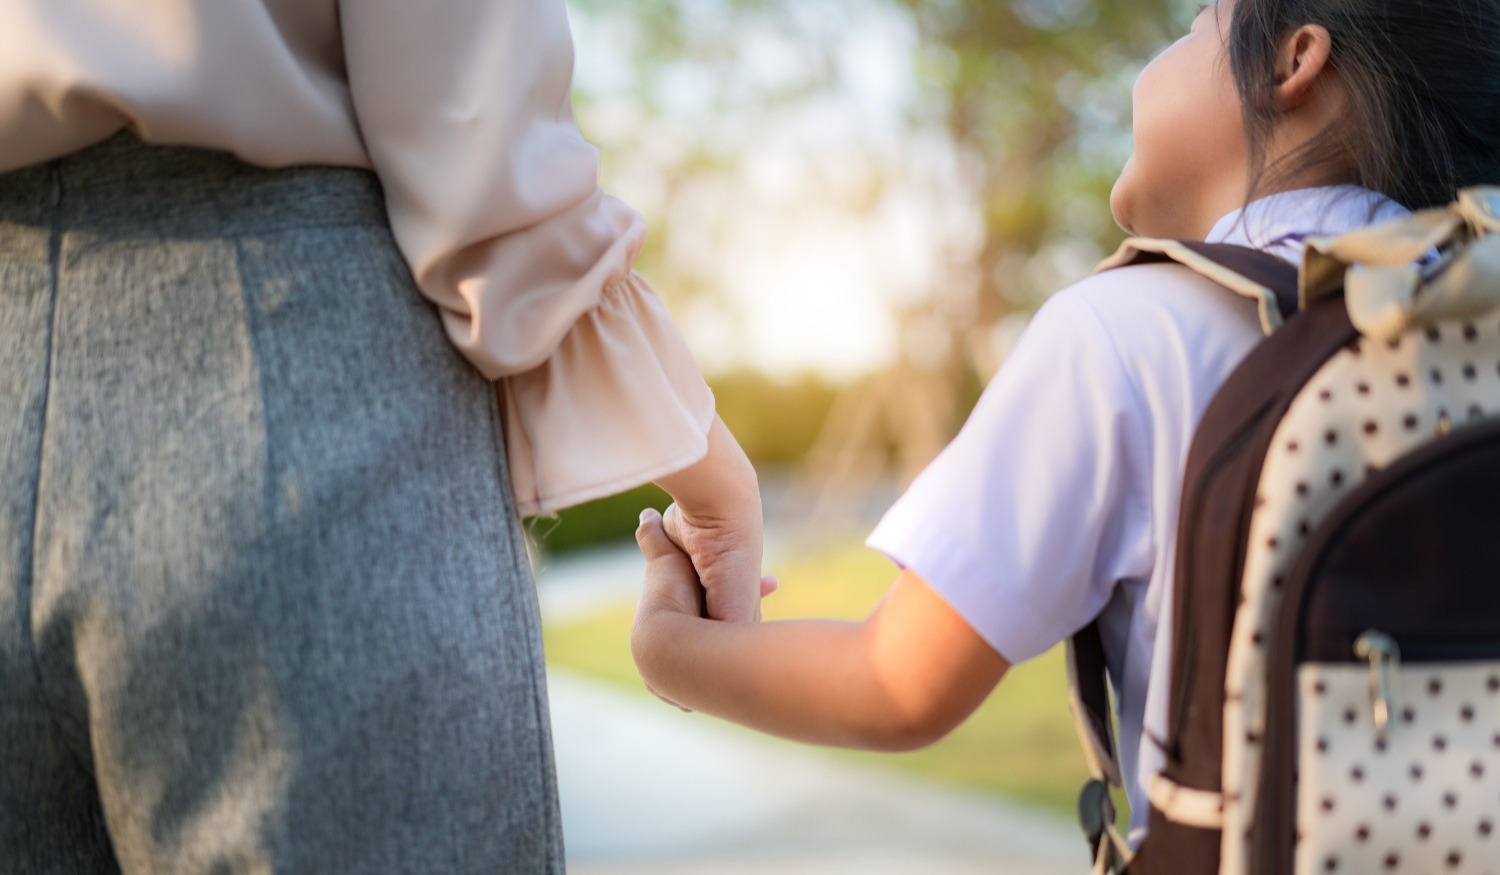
{"x": 1279, "y": 223}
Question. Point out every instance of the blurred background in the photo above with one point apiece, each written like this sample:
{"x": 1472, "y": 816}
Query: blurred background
{"x": 855, "y": 206}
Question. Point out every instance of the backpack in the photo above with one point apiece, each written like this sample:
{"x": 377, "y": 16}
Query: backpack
{"x": 1335, "y": 673}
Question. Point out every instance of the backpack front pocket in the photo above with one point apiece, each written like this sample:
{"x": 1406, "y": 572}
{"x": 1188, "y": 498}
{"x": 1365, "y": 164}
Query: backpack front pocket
{"x": 1397, "y": 763}
{"x": 1384, "y": 676}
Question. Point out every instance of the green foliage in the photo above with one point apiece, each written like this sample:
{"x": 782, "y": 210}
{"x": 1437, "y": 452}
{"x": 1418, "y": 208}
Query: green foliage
{"x": 776, "y": 421}
{"x": 608, "y": 519}
{"x": 1038, "y": 92}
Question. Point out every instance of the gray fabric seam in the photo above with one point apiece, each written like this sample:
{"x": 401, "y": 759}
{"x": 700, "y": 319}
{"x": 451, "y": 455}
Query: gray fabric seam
{"x": 252, "y": 328}
{"x": 27, "y": 587}
{"x": 523, "y": 570}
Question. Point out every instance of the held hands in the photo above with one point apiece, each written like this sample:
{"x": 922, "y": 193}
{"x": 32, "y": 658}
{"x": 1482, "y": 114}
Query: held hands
{"x": 702, "y": 560}
{"x": 672, "y": 587}
{"x": 724, "y": 557}
{"x": 672, "y": 582}
{"x": 715, "y": 519}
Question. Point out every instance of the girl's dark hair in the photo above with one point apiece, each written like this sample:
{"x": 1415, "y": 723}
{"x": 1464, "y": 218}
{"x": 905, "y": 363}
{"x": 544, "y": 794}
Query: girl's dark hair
{"x": 1423, "y": 85}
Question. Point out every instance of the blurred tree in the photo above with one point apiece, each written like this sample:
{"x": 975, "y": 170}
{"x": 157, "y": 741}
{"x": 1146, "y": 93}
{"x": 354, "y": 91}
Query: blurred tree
{"x": 776, "y": 421}
{"x": 1036, "y": 95}
{"x": 1026, "y": 102}
{"x": 1033, "y": 96}
{"x": 674, "y": 109}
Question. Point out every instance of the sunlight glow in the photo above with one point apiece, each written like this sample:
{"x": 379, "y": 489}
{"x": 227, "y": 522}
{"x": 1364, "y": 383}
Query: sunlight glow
{"x": 837, "y": 211}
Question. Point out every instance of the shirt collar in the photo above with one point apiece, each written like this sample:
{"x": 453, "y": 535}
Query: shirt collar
{"x": 1279, "y": 223}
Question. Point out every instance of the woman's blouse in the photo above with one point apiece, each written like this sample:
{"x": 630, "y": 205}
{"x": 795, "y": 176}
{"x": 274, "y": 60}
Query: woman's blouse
{"x": 464, "y": 112}
{"x": 1058, "y": 501}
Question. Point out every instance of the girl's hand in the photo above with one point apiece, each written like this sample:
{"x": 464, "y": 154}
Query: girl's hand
{"x": 672, "y": 587}
{"x": 716, "y": 519}
{"x": 671, "y": 580}
{"x": 899, "y": 680}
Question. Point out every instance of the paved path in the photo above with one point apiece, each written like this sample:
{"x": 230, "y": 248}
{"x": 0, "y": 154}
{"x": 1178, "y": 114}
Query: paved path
{"x": 588, "y": 581}
{"x": 648, "y": 790}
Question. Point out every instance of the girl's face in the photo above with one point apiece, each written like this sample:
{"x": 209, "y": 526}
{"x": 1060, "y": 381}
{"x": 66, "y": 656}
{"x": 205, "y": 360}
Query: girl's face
{"x": 1189, "y": 164}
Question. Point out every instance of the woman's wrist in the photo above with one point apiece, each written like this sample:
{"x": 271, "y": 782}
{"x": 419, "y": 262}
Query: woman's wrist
{"x": 720, "y": 486}
{"x": 716, "y": 519}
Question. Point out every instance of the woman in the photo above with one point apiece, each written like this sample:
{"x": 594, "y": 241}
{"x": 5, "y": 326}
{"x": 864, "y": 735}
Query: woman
{"x": 266, "y": 605}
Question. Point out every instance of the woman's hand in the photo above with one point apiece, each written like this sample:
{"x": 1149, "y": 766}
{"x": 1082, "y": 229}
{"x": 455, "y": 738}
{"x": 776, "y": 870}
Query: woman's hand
{"x": 716, "y": 519}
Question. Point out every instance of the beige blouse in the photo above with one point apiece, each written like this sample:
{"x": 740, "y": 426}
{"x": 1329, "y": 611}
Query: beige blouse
{"x": 464, "y": 111}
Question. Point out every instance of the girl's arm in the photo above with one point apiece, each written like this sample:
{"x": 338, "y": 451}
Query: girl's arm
{"x": 900, "y": 680}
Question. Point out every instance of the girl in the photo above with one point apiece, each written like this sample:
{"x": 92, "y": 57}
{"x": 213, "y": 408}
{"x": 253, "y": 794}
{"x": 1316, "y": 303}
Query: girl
{"x": 1058, "y": 501}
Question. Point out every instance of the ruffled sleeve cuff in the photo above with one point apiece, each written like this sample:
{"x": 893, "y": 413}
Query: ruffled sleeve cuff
{"x": 619, "y": 403}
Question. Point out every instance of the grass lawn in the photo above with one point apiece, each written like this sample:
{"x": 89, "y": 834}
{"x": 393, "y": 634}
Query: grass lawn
{"x": 1019, "y": 744}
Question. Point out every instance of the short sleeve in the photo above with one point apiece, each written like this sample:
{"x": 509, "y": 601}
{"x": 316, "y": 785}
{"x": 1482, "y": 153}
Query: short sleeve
{"x": 465, "y": 110}
{"x": 1040, "y": 506}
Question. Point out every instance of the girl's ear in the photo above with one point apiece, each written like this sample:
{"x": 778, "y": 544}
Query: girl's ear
{"x": 1301, "y": 64}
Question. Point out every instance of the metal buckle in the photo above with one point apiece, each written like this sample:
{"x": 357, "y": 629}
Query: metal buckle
{"x": 1096, "y": 811}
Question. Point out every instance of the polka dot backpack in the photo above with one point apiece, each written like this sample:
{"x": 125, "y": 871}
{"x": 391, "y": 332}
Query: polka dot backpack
{"x": 1335, "y": 679}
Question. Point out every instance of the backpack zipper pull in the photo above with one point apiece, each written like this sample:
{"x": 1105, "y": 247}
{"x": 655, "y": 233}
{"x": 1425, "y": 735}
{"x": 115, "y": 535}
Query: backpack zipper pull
{"x": 1380, "y": 650}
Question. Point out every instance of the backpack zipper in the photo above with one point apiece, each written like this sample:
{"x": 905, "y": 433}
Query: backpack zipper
{"x": 1380, "y": 650}
{"x": 1385, "y": 656}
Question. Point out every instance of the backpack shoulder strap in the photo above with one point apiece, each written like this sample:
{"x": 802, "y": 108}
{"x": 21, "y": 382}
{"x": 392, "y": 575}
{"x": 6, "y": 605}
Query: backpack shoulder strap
{"x": 1263, "y": 278}
{"x": 1272, "y": 284}
{"x": 1088, "y": 699}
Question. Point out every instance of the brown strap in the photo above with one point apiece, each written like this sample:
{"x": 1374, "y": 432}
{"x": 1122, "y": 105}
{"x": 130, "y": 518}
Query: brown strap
{"x": 1272, "y": 283}
{"x": 1088, "y": 698}
{"x": 1268, "y": 270}
{"x": 1259, "y": 276}
{"x": 1262, "y": 276}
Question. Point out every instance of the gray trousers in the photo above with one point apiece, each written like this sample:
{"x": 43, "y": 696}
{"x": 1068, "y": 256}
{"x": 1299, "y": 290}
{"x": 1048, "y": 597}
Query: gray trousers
{"x": 264, "y": 601}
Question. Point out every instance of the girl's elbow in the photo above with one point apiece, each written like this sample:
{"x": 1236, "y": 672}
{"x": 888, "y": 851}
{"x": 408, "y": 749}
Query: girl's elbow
{"x": 906, "y": 730}
{"x": 912, "y": 717}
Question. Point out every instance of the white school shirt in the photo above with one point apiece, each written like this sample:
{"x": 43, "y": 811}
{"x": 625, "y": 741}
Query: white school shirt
{"x": 1058, "y": 500}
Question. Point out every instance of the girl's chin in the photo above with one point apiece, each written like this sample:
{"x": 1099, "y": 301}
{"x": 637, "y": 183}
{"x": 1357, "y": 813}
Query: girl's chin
{"x": 1120, "y": 201}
